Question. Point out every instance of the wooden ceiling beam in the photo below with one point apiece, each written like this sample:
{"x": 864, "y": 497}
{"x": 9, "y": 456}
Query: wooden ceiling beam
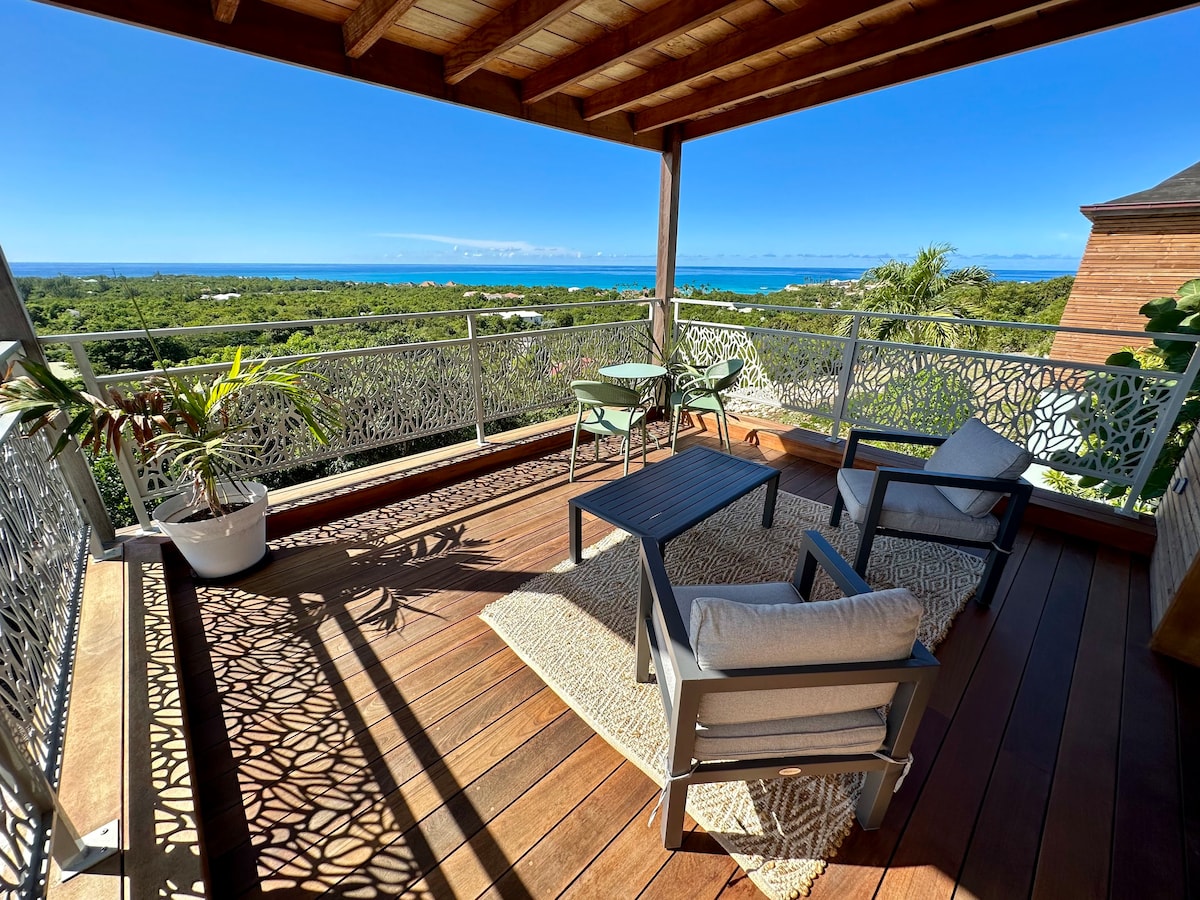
{"x": 1050, "y": 27}
{"x": 224, "y": 10}
{"x": 921, "y": 28}
{"x": 501, "y": 33}
{"x": 370, "y": 22}
{"x": 656, "y": 27}
{"x": 810, "y": 19}
{"x": 273, "y": 32}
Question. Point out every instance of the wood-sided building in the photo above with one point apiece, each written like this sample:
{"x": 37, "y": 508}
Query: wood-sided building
{"x": 1142, "y": 246}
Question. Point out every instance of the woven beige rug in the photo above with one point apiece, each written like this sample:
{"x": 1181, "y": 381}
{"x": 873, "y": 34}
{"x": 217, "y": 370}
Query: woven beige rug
{"x": 574, "y": 627}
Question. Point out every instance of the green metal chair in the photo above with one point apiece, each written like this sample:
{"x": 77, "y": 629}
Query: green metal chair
{"x": 607, "y": 409}
{"x": 700, "y": 391}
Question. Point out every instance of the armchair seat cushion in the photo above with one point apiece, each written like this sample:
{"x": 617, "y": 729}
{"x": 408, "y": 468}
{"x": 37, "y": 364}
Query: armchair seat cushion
{"x": 860, "y": 731}
{"x": 921, "y": 509}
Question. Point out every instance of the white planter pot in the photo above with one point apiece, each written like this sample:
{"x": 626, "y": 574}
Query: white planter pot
{"x": 223, "y": 546}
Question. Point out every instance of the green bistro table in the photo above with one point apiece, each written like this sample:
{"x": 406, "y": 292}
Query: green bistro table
{"x": 633, "y": 371}
{"x": 645, "y": 378}
{"x": 663, "y": 501}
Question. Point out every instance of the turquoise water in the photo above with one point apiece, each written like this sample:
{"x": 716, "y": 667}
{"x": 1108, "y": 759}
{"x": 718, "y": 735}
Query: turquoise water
{"x": 743, "y": 280}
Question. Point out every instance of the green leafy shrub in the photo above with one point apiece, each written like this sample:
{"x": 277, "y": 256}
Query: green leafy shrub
{"x": 1125, "y": 405}
{"x": 928, "y": 401}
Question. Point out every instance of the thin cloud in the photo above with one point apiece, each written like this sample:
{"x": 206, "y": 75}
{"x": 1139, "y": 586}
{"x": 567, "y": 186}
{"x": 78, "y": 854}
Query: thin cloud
{"x": 506, "y": 248}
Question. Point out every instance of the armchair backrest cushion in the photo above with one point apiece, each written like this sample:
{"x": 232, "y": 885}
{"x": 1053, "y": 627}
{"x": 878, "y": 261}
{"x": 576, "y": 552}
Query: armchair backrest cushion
{"x": 727, "y": 634}
{"x": 974, "y": 449}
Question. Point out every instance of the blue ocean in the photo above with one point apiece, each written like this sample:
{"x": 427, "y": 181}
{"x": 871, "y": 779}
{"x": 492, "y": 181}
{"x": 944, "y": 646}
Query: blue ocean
{"x": 742, "y": 280}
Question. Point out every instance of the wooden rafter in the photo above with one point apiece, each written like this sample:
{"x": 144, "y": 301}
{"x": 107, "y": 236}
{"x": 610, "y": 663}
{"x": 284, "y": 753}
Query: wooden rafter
{"x": 224, "y": 10}
{"x": 1050, "y": 26}
{"x": 917, "y": 30}
{"x": 501, "y": 33}
{"x": 763, "y": 38}
{"x": 270, "y": 31}
{"x": 369, "y": 22}
{"x": 656, "y": 27}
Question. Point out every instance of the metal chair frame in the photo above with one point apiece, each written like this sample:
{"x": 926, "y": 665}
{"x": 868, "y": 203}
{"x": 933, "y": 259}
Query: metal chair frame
{"x": 1017, "y": 490}
{"x": 668, "y": 638}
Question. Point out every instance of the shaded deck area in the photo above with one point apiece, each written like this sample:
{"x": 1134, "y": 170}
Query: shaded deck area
{"x": 359, "y": 732}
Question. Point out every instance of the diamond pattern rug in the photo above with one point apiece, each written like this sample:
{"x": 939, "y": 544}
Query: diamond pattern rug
{"x": 574, "y": 626}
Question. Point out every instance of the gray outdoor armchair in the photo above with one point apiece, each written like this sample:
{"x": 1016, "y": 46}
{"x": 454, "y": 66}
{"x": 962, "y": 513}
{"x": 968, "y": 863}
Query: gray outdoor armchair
{"x": 758, "y": 683}
{"x": 949, "y": 501}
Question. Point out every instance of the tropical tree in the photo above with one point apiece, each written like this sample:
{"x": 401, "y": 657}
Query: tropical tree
{"x": 924, "y": 287}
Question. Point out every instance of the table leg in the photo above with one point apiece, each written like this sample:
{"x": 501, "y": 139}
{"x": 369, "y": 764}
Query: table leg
{"x": 641, "y": 641}
{"x": 575, "y": 530}
{"x": 769, "y": 506}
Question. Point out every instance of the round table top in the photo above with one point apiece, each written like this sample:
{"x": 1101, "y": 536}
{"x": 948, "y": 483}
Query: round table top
{"x": 633, "y": 371}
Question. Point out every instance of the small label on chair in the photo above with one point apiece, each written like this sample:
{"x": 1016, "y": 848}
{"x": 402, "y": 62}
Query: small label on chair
{"x": 790, "y": 770}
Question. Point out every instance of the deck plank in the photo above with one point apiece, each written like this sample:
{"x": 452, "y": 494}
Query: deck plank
{"x": 1148, "y": 852}
{"x": 931, "y": 851}
{"x": 362, "y": 733}
{"x": 1073, "y": 859}
{"x": 1003, "y": 851}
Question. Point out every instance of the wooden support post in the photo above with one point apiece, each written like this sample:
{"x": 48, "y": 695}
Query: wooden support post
{"x": 15, "y": 325}
{"x": 668, "y": 238}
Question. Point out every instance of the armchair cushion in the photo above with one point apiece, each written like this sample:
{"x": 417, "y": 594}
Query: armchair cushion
{"x": 731, "y": 633}
{"x": 861, "y": 731}
{"x": 914, "y": 508}
{"x": 974, "y": 449}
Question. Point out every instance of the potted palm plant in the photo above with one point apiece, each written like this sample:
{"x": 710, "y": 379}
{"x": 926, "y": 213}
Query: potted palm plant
{"x": 192, "y": 427}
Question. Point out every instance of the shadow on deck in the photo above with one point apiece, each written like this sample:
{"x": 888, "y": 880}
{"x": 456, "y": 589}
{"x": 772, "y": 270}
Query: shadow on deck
{"x": 358, "y": 731}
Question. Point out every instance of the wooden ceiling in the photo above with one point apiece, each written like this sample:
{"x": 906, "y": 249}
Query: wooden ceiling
{"x": 631, "y": 70}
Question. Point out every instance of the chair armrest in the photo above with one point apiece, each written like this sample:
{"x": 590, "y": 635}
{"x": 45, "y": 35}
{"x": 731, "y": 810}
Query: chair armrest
{"x": 858, "y": 435}
{"x": 664, "y": 613}
{"x": 816, "y": 551}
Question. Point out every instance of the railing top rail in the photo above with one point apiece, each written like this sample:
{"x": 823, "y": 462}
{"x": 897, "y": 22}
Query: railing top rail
{"x": 1098, "y": 368}
{"x": 949, "y": 320}
{"x": 9, "y": 350}
{"x": 309, "y": 323}
{"x": 1165, "y": 374}
{"x": 205, "y": 368}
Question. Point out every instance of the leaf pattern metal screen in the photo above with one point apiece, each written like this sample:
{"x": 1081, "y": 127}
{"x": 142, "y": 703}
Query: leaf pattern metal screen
{"x": 42, "y": 544}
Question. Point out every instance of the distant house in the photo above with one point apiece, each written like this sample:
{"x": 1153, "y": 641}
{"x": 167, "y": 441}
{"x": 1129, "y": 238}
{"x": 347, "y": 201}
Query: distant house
{"x": 1141, "y": 247}
{"x": 525, "y": 315}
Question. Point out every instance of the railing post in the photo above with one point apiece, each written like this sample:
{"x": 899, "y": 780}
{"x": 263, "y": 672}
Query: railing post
{"x": 1166, "y": 420}
{"x": 849, "y": 354}
{"x": 124, "y": 458}
{"x": 31, "y": 788}
{"x": 16, "y": 325}
{"x": 476, "y": 377}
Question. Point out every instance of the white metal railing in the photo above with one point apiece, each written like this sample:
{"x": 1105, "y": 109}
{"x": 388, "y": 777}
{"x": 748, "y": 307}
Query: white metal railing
{"x": 1104, "y": 421}
{"x": 43, "y": 541}
{"x": 395, "y": 393}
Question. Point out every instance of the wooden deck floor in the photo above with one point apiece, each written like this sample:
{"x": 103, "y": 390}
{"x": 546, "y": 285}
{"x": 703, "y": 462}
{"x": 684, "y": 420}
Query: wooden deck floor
{"x": 358, "y": 732}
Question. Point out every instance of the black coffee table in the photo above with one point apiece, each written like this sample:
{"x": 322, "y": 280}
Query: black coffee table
{"x": 663, "y": 500}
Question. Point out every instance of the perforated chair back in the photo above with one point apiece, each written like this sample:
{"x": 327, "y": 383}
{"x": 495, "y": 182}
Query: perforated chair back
{"x": 602, "y": 393}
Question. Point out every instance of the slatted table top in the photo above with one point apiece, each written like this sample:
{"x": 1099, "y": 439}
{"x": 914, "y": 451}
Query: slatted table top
{"x": 666, "y": 499}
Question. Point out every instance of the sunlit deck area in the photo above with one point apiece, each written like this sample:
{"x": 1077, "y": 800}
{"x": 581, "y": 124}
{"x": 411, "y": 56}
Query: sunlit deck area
{"x": 358, "y": 731}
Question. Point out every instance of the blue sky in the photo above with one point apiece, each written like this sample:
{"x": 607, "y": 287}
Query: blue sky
{"x": 128, "y": 146}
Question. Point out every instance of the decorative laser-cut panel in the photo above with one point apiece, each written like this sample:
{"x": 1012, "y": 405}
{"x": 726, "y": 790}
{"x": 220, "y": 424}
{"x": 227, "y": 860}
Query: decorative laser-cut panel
{"x": 42, "y": 542}
{"x": 386, "y": 395}
{"x": 534, "y": 369}
{"x": 784, "y": 369}
{"x": 1077, "y": 417}
{"x": 394, "y": 394}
